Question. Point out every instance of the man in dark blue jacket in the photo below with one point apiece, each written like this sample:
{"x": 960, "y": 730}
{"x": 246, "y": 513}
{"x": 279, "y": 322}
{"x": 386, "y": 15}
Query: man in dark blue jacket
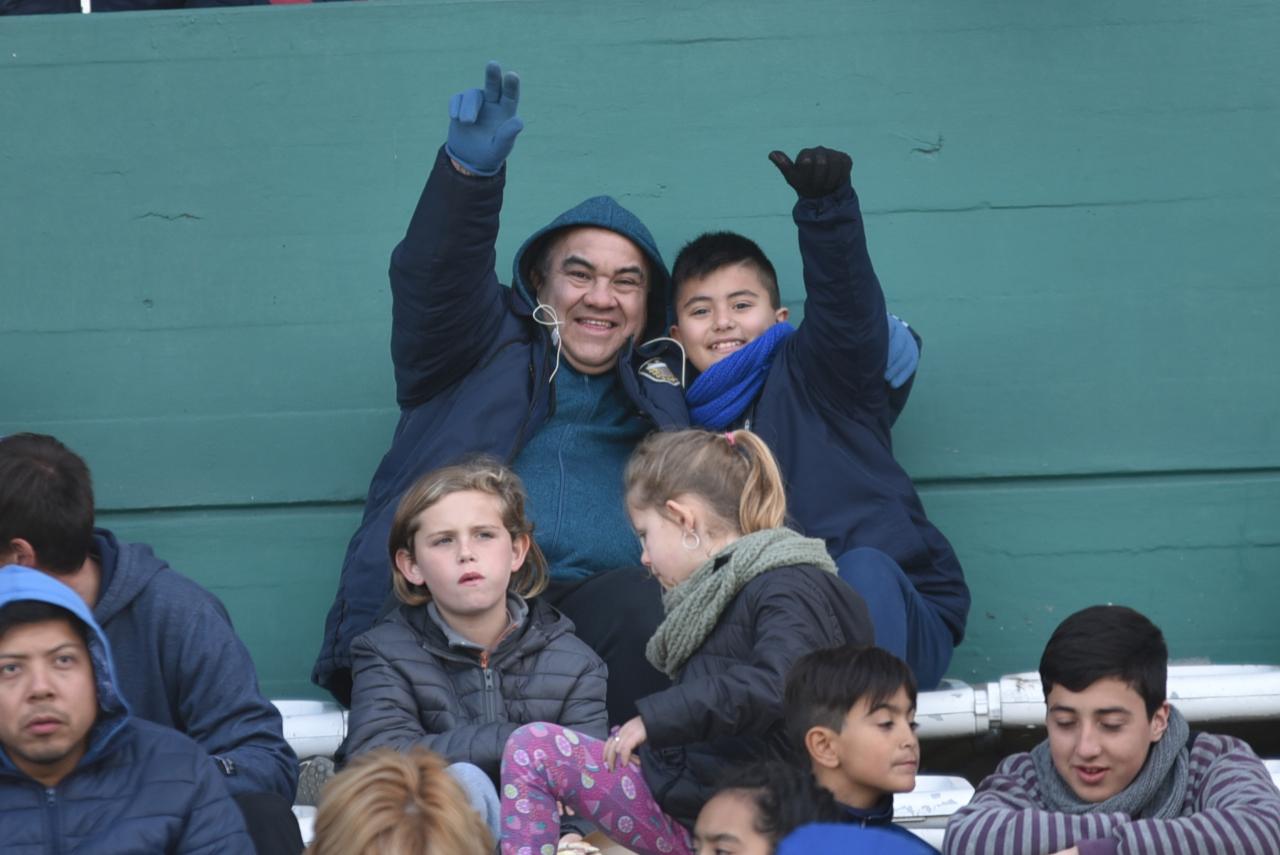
{"x": 178, "y": 659}
{"x": 818, "y": 397}
{"x": 77, "y": 772}
{"x": 528, "y": 374}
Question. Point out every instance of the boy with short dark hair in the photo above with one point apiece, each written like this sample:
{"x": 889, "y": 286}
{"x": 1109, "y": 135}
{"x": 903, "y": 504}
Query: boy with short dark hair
{"x": 1121, "y": 771}
{"x": 824, "y": 396}
{"x": 851, "y": 712}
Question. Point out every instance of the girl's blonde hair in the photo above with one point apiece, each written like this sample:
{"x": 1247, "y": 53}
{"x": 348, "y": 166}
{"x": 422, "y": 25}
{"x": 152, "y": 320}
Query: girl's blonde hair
{"x": 483, "y": 475}
{"x": 388, "y": 803}
{"x": 734, "y": 473}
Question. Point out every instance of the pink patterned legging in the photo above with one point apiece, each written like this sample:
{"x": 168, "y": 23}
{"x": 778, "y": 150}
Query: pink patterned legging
{"x": 545, "y": 763}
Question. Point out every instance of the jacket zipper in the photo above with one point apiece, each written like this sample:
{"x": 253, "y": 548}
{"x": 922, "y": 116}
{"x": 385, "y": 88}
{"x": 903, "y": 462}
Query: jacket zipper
{"x": 51, "y": 819}
{"x": 490, "y": 705}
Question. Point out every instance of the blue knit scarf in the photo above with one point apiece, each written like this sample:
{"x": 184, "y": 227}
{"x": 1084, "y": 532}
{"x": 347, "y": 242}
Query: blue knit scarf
{"x": 723, "y": 392}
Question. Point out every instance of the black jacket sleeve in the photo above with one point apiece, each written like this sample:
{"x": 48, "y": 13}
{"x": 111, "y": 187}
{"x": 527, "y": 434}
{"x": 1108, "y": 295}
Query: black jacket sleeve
{"x": 446, "y": 302}
{"x": 843, "y": 341}
{"x": 789, "y": 619}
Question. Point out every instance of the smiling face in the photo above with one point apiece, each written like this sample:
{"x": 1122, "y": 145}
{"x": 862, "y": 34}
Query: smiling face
{"x": 464, "y": 555}
{"x": 597, "y": 282}
{"x": 723, "y": 312}
{"x": 48, "y": 700}
{"x": 727, "y": 826}
{"x": 1099, "y": 738}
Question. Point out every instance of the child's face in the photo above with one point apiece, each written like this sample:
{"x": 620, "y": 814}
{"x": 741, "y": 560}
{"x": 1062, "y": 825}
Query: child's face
{"x": 665, "y": 546}
{"x": 722, "y": 313}
{"x": 464, "y": 554}
{"x": 878, "y": 750}
{"x": 1099, "y": 738}
{"x": 727, "y": 826}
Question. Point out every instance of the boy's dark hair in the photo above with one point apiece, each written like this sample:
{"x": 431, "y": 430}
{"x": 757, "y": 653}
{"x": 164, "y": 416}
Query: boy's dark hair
{"x": 46, "y": 498}
{"x": 707, "y": 253}
{"x": 1107, "y": 641}
{"x": 26, "y": 612}
{"x": 785, "y": 797}
{"x": 824, "y": 685}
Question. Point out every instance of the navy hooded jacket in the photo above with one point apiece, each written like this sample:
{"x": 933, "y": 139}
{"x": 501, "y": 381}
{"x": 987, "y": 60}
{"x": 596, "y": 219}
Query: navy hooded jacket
{"x": 472, "y": 367}
{"x": 139, "y": 787}
{"x": 180, "y": 663}
{"x": 826, "y": 413}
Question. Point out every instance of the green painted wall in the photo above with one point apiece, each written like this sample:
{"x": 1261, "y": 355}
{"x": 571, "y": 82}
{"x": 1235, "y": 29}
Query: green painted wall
{"x": 1077, "y": 204}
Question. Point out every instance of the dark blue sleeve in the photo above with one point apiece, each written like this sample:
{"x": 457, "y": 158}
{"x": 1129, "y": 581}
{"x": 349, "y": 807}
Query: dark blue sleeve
{"x": 842, "y": 343}
{"x": 446, "y": 302}
{"x": 219, "y": 704}
{"x": 214, "y": 824}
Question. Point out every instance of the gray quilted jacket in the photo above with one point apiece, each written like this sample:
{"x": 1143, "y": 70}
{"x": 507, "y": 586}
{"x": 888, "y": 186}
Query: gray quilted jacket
{"x": 412, "y": 686}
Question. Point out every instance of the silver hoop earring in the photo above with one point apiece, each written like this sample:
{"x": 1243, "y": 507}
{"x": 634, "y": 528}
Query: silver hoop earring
{"x": 684, "y": 540}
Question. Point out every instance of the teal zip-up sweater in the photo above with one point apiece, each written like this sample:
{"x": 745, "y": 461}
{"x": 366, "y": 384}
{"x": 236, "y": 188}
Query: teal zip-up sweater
{"x": 572, "y": 470}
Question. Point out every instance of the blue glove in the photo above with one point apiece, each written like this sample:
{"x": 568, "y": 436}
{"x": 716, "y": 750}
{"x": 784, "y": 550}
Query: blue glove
{"x": 483, "y": 123}
{"x": 904, "y": 353}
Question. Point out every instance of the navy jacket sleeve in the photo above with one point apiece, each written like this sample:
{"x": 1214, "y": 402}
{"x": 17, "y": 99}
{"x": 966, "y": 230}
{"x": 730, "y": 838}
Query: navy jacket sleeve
{"x": 215, "y": 825}
{"x": 843, "y": 340}
{"x": 220, "y": 706}
{"x": 745, "y": 698}
{"x": 446, "y": 302}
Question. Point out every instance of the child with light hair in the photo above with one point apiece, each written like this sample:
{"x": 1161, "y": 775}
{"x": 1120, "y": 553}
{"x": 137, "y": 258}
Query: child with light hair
{"x": 471, "y": 652}
{"x": 388, "y": 803}
{"x": 745, "y": 597}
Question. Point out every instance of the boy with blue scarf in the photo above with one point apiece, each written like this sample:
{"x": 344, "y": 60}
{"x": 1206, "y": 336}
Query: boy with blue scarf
{"x": 824, "y": 396}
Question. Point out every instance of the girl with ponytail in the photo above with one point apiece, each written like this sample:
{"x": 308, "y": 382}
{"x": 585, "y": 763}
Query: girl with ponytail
{"x": 745, "y": 597}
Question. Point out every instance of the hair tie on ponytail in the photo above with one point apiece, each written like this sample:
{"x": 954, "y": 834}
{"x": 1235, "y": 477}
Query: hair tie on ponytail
{"x": 728, "y": 435}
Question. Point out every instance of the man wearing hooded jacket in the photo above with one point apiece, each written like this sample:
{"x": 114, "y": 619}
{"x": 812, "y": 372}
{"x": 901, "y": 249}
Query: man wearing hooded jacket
{"x": 527, "y": 374}
{"x": 179, "y": 662}
{"x": 77, "y": 771}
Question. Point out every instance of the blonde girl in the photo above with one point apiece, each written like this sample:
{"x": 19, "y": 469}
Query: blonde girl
{"x": 464, "y": 658}
{"x": 745, "y": 597}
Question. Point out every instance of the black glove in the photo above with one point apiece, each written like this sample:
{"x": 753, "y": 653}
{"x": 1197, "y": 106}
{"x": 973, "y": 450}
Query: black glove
{"x": 817, "y": 172}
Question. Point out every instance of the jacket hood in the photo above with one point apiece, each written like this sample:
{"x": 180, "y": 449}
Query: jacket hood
{"x": 23, "y": 583}
{"x": 601, "y": 212}
{"x": 133, "y": 569}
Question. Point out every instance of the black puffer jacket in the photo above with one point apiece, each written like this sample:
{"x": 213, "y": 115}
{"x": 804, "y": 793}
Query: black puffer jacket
{"x": 725, "y": 708}
{"x": 412, "y": 688}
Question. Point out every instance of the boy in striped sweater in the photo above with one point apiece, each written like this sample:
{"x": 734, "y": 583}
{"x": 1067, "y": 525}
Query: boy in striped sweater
{"x": 1121, "y": 772}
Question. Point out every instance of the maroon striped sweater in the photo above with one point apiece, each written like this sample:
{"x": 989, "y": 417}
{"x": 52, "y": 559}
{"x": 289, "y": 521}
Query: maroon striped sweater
{"x": 1231, "y": 808}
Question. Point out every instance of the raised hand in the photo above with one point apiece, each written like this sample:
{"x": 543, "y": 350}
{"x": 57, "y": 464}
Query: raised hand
{"x": 483, "y": 123}
{"x": 817, "y": 172}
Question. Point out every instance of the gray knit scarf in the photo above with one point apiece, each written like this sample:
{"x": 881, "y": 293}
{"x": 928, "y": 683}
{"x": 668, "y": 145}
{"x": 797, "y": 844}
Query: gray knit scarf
{"x": 1157, "y": 792}
{"x": 694, "y": 606}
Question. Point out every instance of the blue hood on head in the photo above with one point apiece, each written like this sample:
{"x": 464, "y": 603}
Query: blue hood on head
{"x": 602, "y": 212}
{"x": 23, "y": 583}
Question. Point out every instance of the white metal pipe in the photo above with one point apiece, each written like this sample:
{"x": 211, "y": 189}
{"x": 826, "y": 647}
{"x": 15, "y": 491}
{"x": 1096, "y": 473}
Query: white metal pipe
{"x": 313, "y": 727}
{"x": 1203, "y": 693}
